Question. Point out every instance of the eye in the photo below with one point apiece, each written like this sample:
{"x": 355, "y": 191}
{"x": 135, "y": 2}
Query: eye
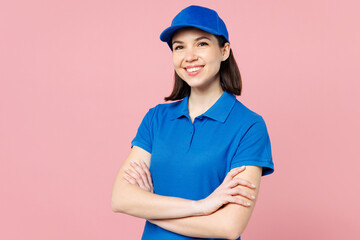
{"x": 201, "y": 44}
{"x": 177, "y": 47}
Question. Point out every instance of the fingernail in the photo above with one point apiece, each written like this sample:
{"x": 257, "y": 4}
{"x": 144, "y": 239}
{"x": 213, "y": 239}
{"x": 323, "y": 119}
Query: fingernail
{"x": 253, "y": 185}
{"x": 248, "y": 204}
{"x": 131, "y": 161}
{"x": 126, "y": 169}
{"x": 253, "y": 197}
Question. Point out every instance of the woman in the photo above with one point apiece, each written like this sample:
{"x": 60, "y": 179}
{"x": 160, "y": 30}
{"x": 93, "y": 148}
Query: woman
{"x": 206, "y": 152}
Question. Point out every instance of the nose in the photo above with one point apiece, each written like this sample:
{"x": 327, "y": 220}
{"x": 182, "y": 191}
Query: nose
{"x": 190, "y": 55}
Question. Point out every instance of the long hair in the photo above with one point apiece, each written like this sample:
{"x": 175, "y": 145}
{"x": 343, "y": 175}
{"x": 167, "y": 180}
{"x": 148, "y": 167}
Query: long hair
{"x": 230, "y": 78}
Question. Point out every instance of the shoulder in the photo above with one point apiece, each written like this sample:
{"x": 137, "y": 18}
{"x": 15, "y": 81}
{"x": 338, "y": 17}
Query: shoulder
{"x": 168, "y": 106}
{"x": 164, "y": 109}
{"x": 244, "y": 116}
{"x": 159, "y": 114}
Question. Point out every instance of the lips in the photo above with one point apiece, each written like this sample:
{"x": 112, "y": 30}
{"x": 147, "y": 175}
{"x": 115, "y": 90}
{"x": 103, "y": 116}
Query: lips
{"x": 193, "y": 69}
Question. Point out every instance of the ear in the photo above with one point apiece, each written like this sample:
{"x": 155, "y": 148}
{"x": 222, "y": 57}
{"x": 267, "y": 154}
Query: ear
{"x": 225, "y": 51}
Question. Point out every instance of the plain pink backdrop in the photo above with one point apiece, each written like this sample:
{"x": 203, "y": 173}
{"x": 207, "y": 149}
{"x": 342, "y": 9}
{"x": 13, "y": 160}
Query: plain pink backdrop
{"x": 77, "y": 77}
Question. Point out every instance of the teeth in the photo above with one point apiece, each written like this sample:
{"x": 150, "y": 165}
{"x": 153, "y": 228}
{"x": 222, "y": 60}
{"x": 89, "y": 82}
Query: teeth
{"x": 193, "y": 69}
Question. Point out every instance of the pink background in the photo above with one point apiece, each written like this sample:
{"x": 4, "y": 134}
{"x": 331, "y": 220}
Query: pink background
{"x": 77, "y": 77}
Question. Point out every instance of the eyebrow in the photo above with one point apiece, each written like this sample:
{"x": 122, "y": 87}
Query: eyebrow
{"x": 197, "y": 39}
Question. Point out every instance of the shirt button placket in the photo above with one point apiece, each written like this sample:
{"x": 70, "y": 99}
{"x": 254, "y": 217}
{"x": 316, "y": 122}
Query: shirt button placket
{"x": 192, "y": 132}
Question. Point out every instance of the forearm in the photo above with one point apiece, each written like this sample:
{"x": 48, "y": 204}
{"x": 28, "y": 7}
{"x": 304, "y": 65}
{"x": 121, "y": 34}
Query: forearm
{"x": 206, "y": 226}
{"x": 134, "y": 201}
{"x": 227, "y": 222}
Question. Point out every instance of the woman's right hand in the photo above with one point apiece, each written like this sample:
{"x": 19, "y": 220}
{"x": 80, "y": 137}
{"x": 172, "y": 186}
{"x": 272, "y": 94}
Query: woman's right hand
{"x": 225, "y": 193}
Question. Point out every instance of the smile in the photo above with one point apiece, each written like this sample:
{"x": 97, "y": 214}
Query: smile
{"x": 194, "y": 70}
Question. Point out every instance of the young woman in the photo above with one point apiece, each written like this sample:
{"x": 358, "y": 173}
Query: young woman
{"x": 206, "y": 152}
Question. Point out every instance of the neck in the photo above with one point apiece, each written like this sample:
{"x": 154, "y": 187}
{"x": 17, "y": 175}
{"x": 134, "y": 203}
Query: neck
{"x": 200, "y": 100}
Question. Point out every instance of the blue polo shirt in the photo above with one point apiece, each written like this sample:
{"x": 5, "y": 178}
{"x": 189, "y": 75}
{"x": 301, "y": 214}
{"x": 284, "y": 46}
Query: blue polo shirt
{"x": 191, "y": 159}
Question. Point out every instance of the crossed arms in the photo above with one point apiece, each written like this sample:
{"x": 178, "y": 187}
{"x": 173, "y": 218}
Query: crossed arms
{"x": 180, "y": 215}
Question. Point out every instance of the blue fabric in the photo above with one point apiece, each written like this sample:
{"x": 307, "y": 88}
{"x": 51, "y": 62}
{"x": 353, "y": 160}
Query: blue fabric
{"x": 196, "y": 16}
{"x": 190, "y": 160}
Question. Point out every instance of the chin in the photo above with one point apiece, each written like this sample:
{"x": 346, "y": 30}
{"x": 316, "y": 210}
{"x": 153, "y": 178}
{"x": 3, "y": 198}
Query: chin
{"x": 194, "y": 83}
{"x": 198, "y": 85}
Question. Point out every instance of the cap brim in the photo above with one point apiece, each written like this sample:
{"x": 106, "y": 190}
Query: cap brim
{"x": 166, "y": 35}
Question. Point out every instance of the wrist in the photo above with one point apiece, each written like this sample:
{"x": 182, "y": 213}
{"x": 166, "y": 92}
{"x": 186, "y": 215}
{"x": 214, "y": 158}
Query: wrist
{"x": 197, "y": 208}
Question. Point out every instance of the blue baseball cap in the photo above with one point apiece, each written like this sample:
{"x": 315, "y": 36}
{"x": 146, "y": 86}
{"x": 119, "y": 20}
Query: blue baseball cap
{"x": 196, "y": 16}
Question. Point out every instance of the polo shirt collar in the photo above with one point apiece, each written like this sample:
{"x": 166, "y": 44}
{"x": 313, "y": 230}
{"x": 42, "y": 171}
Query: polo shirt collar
{"x": 218, "y": 111}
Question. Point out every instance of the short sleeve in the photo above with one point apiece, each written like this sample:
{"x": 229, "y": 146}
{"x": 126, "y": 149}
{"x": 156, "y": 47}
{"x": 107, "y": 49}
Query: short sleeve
{"x": 144, "y": 135}
{"x": 254, "y": 148}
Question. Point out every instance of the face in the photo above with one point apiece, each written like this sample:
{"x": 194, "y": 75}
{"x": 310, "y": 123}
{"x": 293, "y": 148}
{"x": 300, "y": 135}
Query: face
{"x": 197, "y": 57}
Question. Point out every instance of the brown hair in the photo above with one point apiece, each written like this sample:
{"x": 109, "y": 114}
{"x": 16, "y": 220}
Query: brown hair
{"x": 230, "y": 78}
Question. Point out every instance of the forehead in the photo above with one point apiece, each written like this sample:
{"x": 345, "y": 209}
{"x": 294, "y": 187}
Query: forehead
{"x": 190, "y": 32}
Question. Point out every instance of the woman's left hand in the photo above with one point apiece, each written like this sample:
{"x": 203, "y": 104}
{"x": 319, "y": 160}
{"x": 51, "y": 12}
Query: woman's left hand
{"x": 140, "y": 176}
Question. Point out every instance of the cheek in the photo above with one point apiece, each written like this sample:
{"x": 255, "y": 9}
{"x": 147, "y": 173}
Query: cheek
{"x": 177, "y": 65}
{"x": 176, "y": 60}
{"x": 215, "y": 60}
{"x": 214, "y": 57}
